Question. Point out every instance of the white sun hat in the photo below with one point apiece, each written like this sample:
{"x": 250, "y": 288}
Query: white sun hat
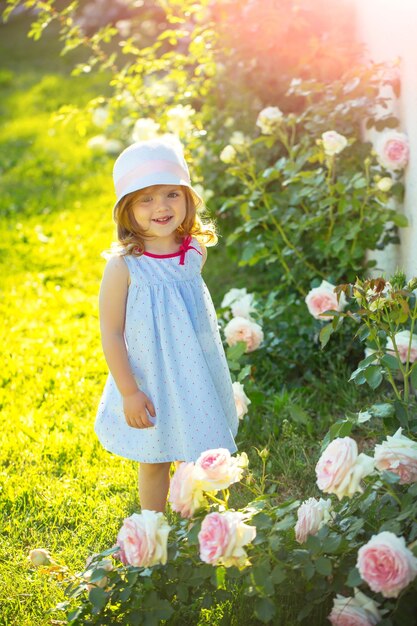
{"x": 153, "y": 162}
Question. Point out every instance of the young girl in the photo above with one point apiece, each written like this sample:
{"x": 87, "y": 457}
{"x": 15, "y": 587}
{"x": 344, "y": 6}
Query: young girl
{"x": 168, "y": 396}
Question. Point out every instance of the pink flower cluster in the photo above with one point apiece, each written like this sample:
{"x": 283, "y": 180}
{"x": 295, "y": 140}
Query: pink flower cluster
{"x": 222, "y": 539}
{"x": 213, "y": 470}
{"x": 242, "y": 327}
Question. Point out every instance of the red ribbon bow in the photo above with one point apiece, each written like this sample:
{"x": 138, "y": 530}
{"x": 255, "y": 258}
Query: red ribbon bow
{"x": 184, "y": 247}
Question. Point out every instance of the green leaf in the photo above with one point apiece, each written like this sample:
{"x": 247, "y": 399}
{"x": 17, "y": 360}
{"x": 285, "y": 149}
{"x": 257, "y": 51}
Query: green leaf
{"x": 340, "y": 429}
{"x": 313, "y": 543}
{"x": 382, "y": 410}
{"x": 331, "y": 543}
{"x": 354, "y": 579}
{"x": 390, "y": 477}
{"x": 98, "y": 598}
{"x": 265, "y": 610}
{"x": 399, "y": 220}
{"x": 305, "y": 611}
{"x": 234, "y": 352}
{"x": 391, "y": 362}
{"x": 278, "y": 574}
{"x": 373, "y": 375}
{"x": 323, "y": 566}
{"x": 325, "y": 334}
{"x": 285, "y": 523}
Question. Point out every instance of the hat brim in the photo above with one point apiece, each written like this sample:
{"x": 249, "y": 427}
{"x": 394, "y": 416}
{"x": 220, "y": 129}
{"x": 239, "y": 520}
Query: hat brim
{"x": 167, "y": 180}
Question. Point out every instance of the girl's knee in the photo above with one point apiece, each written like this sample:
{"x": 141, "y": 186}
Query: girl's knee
{"x": 154, "y": 469}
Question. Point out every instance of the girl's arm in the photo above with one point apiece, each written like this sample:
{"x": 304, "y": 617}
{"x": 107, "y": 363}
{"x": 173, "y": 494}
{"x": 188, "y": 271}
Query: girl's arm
{"x": 112, "y": 304}
{"x": 204, "y": 251}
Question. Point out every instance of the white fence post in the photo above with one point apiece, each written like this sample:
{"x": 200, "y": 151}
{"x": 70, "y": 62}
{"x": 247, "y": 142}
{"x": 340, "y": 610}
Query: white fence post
{"x": 388, "y": 29}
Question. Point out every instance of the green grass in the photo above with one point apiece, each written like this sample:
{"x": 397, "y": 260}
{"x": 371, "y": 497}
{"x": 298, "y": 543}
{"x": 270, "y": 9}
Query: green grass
{"x": 59, "y": 488}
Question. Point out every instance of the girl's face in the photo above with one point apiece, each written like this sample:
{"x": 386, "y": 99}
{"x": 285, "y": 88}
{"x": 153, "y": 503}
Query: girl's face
{"x": 159, "y": 210}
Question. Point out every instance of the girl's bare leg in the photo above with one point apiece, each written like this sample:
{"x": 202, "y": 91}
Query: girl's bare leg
{"x": 153, "y": 485}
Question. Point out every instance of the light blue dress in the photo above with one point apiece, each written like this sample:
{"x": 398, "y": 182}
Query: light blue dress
{"x": 177, "y": 358}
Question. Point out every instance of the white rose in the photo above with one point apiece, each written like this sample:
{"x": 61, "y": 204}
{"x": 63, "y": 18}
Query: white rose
{"x": 333, "y": 142}
{"x": 145, "y": 128}
{"x": 113, "y": 146}
{"x": 100, "y": 116}
{"x": 179, "y": 119}
{"x": 232, "y": 295}
{"x": 364, "y": 466}
{"x": 238, "y": 139}
{"x": 269, "y": 120}
{"x": 311, "y": 516}
{"x": 243, "y": 307}
{"x": 206, "y": 194}
{"x": 385, "y": 184}
{"x": 228, "y": 154}
{"x": 98, "y": 142}
{"x": 398, "y": 454}
{"x": 241, "y": 399}
{"x": 357, "y": 611}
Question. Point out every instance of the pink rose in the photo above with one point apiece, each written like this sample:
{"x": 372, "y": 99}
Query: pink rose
{"x": 398, "y": 454}
{"x": 143, "y": 539}
{"x": 357, "y": 611}
{"x": 392, "y": 150}
{"x": 217, "y": 469}
{"x": 222, "y": 537}
{"x": 185, "y": 493}
{"x": 403, "y": 341}
{"x": 242, "y": 329}
{"x": 311, "y": 516}
{"x": 324, "y": 298}
{"x": 386, "y": 564}
{"x": 340, "y": 469}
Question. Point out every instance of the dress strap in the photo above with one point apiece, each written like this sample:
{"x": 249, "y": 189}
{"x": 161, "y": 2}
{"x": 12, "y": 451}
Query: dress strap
{"x": 185, "y": 246}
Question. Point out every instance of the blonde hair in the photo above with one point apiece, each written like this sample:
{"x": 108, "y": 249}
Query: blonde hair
{"x": 131, "y": 238}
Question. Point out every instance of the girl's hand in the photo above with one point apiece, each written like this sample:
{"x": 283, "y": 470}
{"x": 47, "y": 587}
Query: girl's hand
{"x": 134, "y": 407}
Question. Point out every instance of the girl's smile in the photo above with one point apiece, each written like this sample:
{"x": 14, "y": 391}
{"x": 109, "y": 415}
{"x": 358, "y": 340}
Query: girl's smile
{"x": 159, "y": 210}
